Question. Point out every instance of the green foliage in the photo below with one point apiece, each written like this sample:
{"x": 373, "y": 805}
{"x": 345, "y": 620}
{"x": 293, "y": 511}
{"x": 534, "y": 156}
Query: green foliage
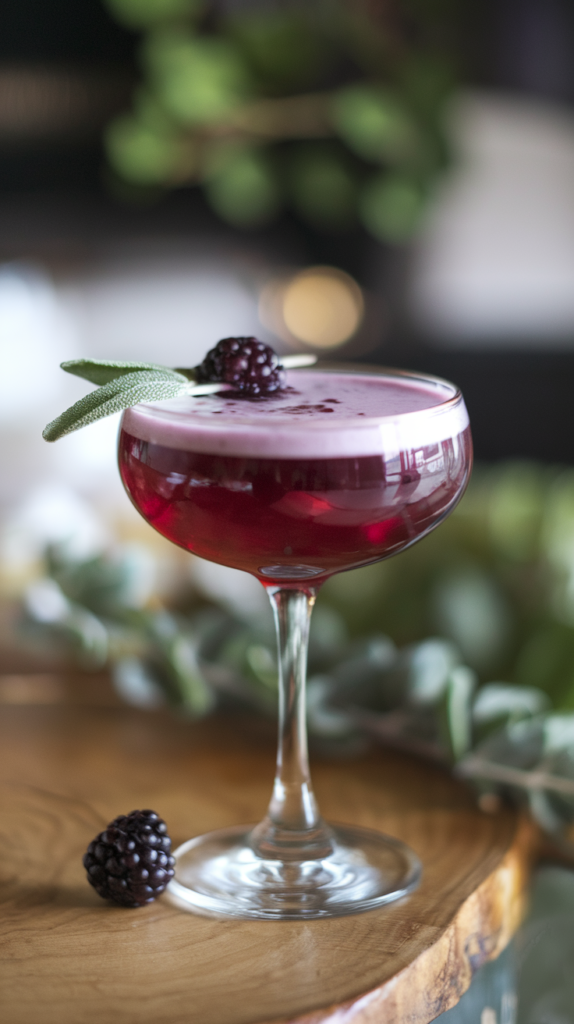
{"x": 141, "y": 153}
{"x": 491, "y": 696}
{"x": 374, "y": 124}
{"x": 514, "y": 513}
{"x": 469, "y": 607}
{"x": 198, "y": 79}
{"x": 141, "y": 14}
{"x": 103, "y": 586}
{"x": 427, "y": 80}
{"x": 323, "y": 188}
{"x": 456, "y": 711}
{"x": 497, "y": 579}
{"x": 241, "y": 81}
{"x": 285, "y": 49}
{"x": 391, "y": 207}
{"x": 242, "y": 187}
{"x": 547, "y": 659}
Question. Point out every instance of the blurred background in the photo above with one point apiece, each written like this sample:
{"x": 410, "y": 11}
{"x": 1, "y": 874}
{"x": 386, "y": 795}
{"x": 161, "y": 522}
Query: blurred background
{"x": 390, "y": 181}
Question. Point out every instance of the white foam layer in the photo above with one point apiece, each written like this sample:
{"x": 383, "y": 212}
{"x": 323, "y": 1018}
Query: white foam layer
{"x": 325, "y": 414}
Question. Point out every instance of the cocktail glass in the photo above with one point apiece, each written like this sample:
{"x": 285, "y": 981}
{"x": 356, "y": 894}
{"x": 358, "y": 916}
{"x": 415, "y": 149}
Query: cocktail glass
{"x": 347, "y": 467}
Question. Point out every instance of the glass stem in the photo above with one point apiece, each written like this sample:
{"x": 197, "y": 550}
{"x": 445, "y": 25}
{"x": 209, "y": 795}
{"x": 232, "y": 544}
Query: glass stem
{"x": 293, "y": 828}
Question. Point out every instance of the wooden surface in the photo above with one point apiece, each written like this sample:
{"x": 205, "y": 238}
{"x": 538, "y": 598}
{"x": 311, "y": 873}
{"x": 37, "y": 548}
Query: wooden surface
{"x": 69, "y": 958}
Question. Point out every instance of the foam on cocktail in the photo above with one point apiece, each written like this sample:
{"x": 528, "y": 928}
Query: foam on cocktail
{"x": 322, "y": 414}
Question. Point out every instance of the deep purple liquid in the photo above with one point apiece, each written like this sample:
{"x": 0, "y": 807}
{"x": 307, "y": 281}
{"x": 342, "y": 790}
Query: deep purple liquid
{"x": 319, "y": 514}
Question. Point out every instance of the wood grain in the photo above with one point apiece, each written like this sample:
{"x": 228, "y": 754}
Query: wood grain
{"x": 66, "y": 956}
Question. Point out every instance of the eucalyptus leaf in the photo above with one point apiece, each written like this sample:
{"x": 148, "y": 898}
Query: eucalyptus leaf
{"x": 502, "y": 700}
{"x": 136, "y": 684}
{"x": 322, "y": 718}
{"x": 263, "y": 664}
{"x": 542, "y": 811}
{"x": 107, "y": 584}
{"x": 558, "y": 733}
{"x": 121, "y": 393}
{"x": 191, "y": 687}
{"x": 519, "y": 744}
{"x": 455, "y": 710}
{"x": 430, "y": 665}
{"x": 75, "y": 625}
{"x": 364, "y": 676}
{"x": 87, "y": 634}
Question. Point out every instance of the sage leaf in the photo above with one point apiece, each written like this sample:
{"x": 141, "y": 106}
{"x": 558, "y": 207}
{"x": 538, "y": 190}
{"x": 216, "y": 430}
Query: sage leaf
{"x": 101, "y": 371}
{"x": 121, "y": 393}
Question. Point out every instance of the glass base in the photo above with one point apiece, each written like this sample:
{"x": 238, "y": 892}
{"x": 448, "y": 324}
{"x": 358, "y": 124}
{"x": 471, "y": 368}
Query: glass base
{"x": 220, "y": 874}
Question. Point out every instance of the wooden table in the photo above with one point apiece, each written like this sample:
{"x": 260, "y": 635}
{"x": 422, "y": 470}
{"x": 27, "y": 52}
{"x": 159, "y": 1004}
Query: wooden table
{"x": 70, "y": 958}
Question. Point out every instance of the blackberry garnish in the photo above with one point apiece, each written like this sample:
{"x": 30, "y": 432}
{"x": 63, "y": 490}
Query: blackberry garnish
{"x": 130, "y": 863}
{"x": 251, "y": 367}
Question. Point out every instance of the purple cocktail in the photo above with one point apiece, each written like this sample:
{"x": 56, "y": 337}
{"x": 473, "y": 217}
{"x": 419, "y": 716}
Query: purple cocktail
{"x": 344, "y": 468}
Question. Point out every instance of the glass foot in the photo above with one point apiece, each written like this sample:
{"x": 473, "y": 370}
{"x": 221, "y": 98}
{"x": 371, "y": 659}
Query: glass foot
{"x": 221, "y": 874}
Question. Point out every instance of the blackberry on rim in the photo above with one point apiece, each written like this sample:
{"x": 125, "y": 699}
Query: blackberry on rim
{"x": 251, "y": 367}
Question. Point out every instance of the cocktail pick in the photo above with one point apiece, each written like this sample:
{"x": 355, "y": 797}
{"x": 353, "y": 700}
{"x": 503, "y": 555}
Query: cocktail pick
{"x": 123, "y": 384}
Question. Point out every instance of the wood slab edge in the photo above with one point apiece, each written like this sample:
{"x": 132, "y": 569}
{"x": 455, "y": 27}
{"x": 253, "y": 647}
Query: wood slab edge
{"x": 481, "y": 928}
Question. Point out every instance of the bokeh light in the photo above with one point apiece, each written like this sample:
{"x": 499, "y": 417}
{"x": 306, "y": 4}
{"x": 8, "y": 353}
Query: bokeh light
{"x": 322, "y": 307}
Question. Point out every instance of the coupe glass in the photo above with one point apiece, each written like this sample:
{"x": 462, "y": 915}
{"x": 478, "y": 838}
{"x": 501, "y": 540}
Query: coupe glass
{"x": 348, "y": 466}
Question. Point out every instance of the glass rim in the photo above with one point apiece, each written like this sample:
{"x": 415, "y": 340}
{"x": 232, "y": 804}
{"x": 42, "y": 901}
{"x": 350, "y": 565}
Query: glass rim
{"x": 160, "y": 410}
{"x": 174, "y": 423}
{"x": 376, "y": 370}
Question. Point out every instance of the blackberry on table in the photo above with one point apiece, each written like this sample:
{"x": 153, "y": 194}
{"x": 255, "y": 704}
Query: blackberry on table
{"x": 248, "y": 365}
{"x": 130, "y": 862}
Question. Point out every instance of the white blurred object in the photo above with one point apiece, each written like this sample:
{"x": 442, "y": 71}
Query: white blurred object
{"x": 139, "y": 572}
{"x": 87, "y": 458}
{"x": 165, "y": 310}
{"x": 495, "y": 263}
{"x": 431, "y": 665}
{"x": 237, "y": 591}
{"x": 51, "y": 514}
{"x": 45, "y": 602}
{"x": 470, "y": 608}
{"x": 35, "y": 336}
{"x": 135, "y": 685}
{"x": 162, "y": 308}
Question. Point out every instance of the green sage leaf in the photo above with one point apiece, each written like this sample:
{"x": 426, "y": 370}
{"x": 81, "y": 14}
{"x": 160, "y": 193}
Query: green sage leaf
{"x": 101, "y": 371}
{"x": 121, "y": 393}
